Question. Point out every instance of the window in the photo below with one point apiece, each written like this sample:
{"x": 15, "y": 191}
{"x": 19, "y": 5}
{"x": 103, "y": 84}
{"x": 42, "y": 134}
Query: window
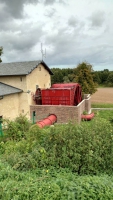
{"x": 20, "y": 78}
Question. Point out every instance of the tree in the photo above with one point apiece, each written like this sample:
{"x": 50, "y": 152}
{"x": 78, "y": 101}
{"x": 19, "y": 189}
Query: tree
{"x": 66, "y": 79}
{"x": 84, "y": 76}
{"x": 96, "y": 77}
{"x": 57, "y": 77}
{"x": 104, "y": 76}
{"x": 110, "y": 79}
{"x": 1, "y": 52}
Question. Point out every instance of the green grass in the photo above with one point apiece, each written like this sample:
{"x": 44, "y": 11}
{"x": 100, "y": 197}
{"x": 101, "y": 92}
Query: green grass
{"x": 106, "y": 114}
{"x": 102, "y": 105}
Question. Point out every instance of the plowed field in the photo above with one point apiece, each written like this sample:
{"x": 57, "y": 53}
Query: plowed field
{"x": 103, "y": 95}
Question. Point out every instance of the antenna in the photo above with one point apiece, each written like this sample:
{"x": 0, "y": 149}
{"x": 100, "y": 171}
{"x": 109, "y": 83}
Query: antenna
{"x": 43, "y": 53}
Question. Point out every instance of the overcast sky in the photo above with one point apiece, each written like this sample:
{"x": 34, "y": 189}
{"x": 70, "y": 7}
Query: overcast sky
{"x": 72, "y": 31}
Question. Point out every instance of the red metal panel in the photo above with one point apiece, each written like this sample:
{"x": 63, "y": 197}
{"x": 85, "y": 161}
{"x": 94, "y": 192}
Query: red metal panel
{"x": 76, "y": 90}
{"x": 58, "y": 96}
{"x": 64, "y": 85}
{"x": 62, "y": 94}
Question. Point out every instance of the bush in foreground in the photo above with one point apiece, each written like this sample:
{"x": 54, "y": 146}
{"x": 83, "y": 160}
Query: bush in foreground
{"x": 49, "y": 184}
{"x": 84, "y": 149}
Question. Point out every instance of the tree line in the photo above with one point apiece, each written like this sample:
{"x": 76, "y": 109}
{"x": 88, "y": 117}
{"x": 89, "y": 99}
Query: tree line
{"x": 104, "y": 77}
{"x": 85, "y": 76}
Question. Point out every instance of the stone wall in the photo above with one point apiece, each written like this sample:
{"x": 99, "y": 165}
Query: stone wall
{"x": 64, "y": 113}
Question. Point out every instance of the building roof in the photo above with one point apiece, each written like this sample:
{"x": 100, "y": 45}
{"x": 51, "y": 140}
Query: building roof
{"x": 7, "y": 89}
{"x": 21, "y": 68}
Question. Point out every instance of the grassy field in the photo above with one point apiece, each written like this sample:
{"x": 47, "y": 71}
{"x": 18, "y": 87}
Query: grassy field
{"x": 102, "y": 105}
{"x": 105, "y": 114}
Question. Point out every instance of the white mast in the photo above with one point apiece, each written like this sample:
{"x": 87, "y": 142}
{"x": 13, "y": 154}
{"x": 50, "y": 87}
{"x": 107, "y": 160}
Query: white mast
{"x": 43, "y": 53}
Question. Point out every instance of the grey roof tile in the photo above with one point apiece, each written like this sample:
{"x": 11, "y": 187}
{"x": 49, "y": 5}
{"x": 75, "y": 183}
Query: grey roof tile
{"x": 21, "y": 68}
{"x": 7, "y": 89}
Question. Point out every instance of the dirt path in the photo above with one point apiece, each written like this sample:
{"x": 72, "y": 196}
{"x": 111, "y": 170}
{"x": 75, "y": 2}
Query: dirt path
{"x": 103, "y": 95}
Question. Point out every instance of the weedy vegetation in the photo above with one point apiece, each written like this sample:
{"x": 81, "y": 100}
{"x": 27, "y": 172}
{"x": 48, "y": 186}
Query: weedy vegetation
{"x": 62, "y": 162}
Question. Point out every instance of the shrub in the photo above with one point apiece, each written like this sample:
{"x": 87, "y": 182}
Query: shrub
{"x": 84, "y": 149}
{"x": 16, "y": 129}
{"x": 52, "y": 184}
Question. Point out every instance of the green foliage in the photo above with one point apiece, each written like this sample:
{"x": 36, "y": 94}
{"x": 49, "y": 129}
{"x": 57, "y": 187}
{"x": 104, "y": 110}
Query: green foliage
{"x": 83, "y": 76}
{"x": 106, "y": 114}
{"x": 84, "y": 149}
{"x": 61, "y": 75}
{"x": 52, "y": 184}
{"x": 85, "y": 112}
{"x": 103, "y": 78}
{"x": 110, "y": 79}
{"x": 96, "y": 77}
{"x": 62, "y": 162}
{"x": 16, "y": 129}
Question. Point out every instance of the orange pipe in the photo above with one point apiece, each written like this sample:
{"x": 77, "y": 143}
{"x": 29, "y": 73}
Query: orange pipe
{"x": 51, "y": 119}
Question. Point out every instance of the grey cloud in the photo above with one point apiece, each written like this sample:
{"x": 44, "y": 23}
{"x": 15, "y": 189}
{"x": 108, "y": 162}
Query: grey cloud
{"x": 75, "y": 47}
{"x": 97, "y": 19}
{"x": 72, "y": 21}
{"x": 15, "y": 56}
{"x": 99, "y": 55}
{"x": 50, "y": 13}
{"x": 4, "y": 16}
{"x": 21, "y": 43}
{"x": 69, "y": 40}
{"x": 50, "y": 2}
{"x": 65, "y": 47}
{"x": 14, "y": 8}
{"x": 9, "y": 25}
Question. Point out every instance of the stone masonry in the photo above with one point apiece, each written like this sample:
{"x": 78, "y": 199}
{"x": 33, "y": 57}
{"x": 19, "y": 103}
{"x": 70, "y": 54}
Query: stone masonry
{"x": 64, "y": 114}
